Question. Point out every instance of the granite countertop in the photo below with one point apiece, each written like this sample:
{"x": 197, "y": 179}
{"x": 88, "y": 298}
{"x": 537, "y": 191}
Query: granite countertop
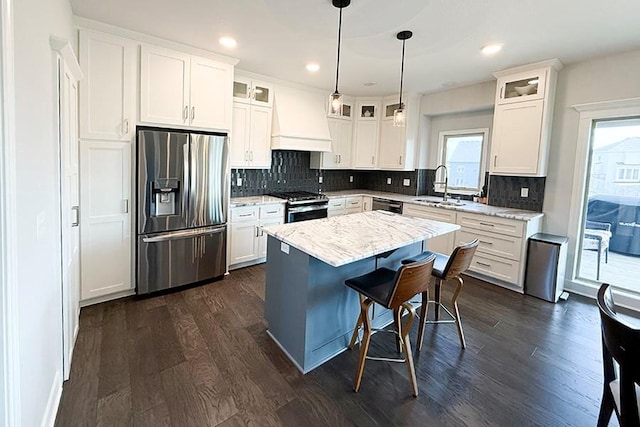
{"x": 345, "y": 239}
{"x": 431, "y": 201}
{"x": 255, "y": 201}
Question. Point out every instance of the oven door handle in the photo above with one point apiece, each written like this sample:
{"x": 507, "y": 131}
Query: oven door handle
{"x": 299, "y": 209}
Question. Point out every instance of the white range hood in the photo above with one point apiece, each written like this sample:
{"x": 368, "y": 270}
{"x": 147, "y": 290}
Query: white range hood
{"x": 299, "y": 121}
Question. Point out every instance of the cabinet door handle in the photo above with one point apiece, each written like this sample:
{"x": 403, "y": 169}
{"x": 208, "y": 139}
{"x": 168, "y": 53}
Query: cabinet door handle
{"x": 245, "y": 215}
{"x": 76, "y": 221}
{"x": 193, "y": 113}
{"x": 185, "y": 113}
{"x": 484, "y": 242}
{"x": 373, "y": 159}
{"x": 495, "y": 160}
{"x": 502, "y": 92}
{"x": 251, "y": 155}
{"x": 483, "y": 264}
{"x": 487, "y": 224}
{"x": 336, "y": 158}
{"x": 339, "y": 158}
{"x": 400, "y": 163}
{"x": 126, "y": 127}
{"x": 126, "y": 205}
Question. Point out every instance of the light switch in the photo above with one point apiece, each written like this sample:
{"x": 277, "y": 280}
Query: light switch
{"x": 284, "y": 248}
{"x": 406, "y": 182}
{"x": 350, "y": 178}
{"x": 319, "y": 180}
{"x": 524, "y": 192}
{"x": 239, "y": 182}
{"x": 389, "y": 181}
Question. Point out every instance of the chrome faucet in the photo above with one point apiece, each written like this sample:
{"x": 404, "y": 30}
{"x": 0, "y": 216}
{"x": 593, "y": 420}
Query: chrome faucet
{"x": 445, "y": 182}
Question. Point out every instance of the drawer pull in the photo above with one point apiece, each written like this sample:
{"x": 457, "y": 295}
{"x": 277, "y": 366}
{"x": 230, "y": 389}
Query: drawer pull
{"x": 483, "y": 264}
{"x": 487, "y": 224}
{"x": 245, "y": 215}
{"x": 354, "y": 203}
{"x": 485, "y": 242}
{"x": 270, "y": 212}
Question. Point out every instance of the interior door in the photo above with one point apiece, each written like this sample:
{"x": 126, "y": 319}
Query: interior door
{"x": 69, "y": 209}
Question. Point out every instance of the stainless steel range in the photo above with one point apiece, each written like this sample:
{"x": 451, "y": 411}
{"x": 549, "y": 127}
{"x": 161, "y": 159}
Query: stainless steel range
{"x": 303, "y": 205}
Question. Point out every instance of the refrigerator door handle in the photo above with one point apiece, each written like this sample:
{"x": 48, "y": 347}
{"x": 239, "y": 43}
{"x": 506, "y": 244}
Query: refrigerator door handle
{"x": 183, "y": 234}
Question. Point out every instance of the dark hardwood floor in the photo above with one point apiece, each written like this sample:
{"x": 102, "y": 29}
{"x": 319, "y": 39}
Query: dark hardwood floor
{"x": 201, "y": 357}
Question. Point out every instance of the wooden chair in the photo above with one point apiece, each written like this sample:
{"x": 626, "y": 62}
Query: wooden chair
{"x": 620, "y": 342}
{"x": 446, "y": 268}
{"x": 392, "y": 290}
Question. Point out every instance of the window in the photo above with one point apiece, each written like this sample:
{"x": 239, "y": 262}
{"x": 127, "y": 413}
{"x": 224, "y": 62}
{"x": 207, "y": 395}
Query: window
{"x": 463, "y": 153}
{"x": 628, "y": 174}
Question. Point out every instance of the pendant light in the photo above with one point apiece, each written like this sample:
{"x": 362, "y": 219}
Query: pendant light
{"x": 400, "y": 115}
{"x": 335, "y": 99}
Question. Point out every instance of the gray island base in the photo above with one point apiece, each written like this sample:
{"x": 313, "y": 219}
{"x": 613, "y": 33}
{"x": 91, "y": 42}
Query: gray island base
{"x": 311, "y": 314}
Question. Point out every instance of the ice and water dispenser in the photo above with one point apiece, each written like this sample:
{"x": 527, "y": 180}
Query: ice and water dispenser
{"x": 165, "y": 195}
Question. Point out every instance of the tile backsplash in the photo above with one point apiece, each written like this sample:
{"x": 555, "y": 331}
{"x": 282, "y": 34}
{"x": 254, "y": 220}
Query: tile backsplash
{"x": 504, "y": 191}
{"x": 290, "y": 170}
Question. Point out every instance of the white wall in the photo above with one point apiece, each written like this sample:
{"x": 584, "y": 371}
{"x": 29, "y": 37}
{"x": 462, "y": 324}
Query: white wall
{"x": 464, "y": 107}
{"x": 40, "y": 319}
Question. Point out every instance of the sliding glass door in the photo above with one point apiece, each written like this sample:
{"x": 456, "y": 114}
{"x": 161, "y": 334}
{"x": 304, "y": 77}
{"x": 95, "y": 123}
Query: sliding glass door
{"x": 609, "y": 249}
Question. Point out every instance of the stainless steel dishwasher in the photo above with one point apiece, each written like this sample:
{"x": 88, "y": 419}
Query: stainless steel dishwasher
{"x": 380, "y": 204}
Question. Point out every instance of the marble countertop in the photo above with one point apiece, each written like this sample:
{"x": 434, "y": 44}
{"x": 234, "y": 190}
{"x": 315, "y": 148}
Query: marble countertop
{"x": 471, "y": 207}
{"x": 255, "y": 201}
{"x": 468, "y": 206}
{"x": 345, "y": 239}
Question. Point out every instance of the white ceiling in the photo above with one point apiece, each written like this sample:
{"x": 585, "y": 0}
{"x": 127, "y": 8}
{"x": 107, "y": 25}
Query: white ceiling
{"x": 278, "y": 37}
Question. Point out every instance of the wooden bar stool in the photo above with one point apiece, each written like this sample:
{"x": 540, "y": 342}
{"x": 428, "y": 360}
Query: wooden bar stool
{"x": 445, "y": 268}
{"x": 392, "y": 290}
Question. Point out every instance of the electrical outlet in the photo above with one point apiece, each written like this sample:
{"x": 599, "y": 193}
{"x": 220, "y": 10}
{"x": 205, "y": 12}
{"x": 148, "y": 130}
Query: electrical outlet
{"x": 389, "y": 181}
{"x": 406, "y": 182}
{"x": 319, "y": 180}
{"x": 524, "y": 192}
{"x": 350, "y": 178}
{"x": 239, "y": 182}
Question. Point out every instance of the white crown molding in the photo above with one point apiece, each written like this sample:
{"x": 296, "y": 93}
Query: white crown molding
{"x": 63, "y": 47}
{"x": 615, "y": 104}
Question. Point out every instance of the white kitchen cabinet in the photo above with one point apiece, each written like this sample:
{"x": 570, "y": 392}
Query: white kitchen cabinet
{"x": 335, "y": 207}
{"x": 184, "y": 90}
{"x": 250, "y": 145}
{"x": 248, "y": 91}
{"x": 391, "y": 147}
{"x": 522, "y": 119}
{"x": 247, "y": 239}
{"x": 108, "y": 90}
{"x": 502, "y": 248}
{"x": 442, "y": 244}
{"x": 105, "y": 218}
{"x": 367, "y": 203}
{"x": 396, "y": 145}
{"x": 344, "y": 206}
{"x": 367, "y": 123}
{"x": 341, "y": 131}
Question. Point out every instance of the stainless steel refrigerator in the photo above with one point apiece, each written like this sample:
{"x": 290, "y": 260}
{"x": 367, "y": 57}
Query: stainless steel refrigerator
{"x": 183, "y": 180}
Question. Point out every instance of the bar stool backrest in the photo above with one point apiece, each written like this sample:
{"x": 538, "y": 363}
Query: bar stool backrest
{"x": 460, "y": 260}
{"x": 412, "y": 279}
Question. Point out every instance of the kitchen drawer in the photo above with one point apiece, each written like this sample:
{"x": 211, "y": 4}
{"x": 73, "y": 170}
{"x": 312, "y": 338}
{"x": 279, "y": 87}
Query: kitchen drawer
{"x": 436, "y": 214}
{"x": 272, "y": 211}
{"x": 336, "y": 204}
{"x": 244, "y": 214}
{"x": 492, "y": 243}
{"x": 491, "y": 224}
{"x": 353, "y": 203}
{"x": 352, "y": 210}
{"x": 499, "y": 268}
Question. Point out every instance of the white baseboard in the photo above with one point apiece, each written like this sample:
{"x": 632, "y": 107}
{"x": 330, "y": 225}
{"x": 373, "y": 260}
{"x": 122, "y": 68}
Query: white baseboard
{"x": 55, "y": 393}
{"x": 105, "y": 298}
{"x": 621, "y": 298}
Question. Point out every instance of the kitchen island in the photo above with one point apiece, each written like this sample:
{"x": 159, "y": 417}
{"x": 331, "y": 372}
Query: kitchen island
{"x": 309, "y": 310}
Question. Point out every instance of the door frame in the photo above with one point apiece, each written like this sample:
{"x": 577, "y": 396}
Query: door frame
{"x": 9, "y": 343}
{"x": 588, "y": 114}
{"x": 65, "y": 59}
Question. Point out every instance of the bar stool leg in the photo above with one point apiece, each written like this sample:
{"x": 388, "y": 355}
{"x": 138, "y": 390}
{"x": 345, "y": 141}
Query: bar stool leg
{"x": 437, "y": 300}
{"x": 354, "y": 336}
{"x": 454, "y": 303}
{"x": 405, "y": 328}
{"x": 364, "y": 345}
{"x": 424, "y": 311}
{"x": 397, "y": 319}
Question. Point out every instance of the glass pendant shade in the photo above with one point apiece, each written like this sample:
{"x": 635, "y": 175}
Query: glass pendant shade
{"x": 400, "y": 117}
{"x": 335, "y": 104}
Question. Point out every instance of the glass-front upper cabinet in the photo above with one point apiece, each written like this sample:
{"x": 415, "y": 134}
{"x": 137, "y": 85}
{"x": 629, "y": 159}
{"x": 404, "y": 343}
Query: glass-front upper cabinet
{"x": 521, "y": 87}
{"x": 389, "y": 110}
{"x": 252, "y": 92}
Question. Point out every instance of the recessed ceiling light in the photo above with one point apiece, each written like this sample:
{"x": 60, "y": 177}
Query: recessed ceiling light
{"x": 491, "y": 49}
{"x": 312, "y": 67}
{"x": 229, "y": 42}
{"x": 369, "y": 84}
